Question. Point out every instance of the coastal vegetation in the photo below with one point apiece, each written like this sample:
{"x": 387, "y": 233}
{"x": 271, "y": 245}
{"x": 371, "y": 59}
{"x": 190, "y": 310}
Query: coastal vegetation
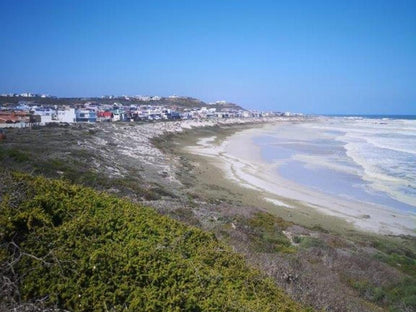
{"x": 340, "y": 270}
{"x": 71, "y": 247}
{"x": 265, "y": 232}
{"x": 54, "y": 153}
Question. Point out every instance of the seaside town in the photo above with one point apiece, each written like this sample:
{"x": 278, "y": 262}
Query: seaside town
{"x": 30, "y": 110}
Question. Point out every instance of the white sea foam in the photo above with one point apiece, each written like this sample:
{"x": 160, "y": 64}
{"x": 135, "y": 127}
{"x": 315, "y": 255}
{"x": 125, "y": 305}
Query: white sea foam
{"x": 386, "y": 154}
{"x": 382, "y": 152}
{"x": 326, "y": 165}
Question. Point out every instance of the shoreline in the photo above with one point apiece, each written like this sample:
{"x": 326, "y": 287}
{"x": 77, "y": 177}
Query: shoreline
{"x": 147, "y": 164}
{"x": 240, "y": 163}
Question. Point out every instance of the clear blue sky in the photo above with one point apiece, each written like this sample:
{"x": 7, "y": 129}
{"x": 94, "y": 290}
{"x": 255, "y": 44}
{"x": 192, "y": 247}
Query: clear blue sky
{"x": 308, "y": 56}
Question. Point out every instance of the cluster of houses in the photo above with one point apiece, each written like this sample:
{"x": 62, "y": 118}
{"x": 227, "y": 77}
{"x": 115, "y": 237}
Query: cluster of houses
{"x": 27, "y": 95}
{"x": 26, "y": 114}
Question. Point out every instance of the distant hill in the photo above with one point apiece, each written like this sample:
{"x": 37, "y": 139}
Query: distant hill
{"x": 181, "y": 102}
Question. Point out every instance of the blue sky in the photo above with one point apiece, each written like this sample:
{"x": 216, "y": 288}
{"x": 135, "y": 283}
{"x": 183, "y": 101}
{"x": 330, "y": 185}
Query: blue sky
{"x": 305, "y": 56}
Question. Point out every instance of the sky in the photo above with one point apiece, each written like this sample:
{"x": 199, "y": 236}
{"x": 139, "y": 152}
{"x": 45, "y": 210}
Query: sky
{"x": 332, "y": 57}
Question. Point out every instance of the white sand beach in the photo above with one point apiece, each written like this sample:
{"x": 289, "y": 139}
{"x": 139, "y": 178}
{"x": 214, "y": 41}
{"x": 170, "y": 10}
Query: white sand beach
{"x": 241, "y": 162}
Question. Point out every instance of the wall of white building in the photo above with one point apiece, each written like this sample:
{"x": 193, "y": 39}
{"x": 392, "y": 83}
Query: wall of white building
{"x": 66, "y": 115}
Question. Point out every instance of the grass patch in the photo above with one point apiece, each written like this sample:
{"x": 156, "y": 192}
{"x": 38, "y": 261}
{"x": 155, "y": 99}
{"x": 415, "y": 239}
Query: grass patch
{"x": 396, "y": 298}
{"x": 399, "y": 261}
{"x": 79, "y": 172}
{"x": 265, "y": 232}
{"x": 398, "y": 253}
{"x": 14, "y": 154}
{"x": 309, "y": 242}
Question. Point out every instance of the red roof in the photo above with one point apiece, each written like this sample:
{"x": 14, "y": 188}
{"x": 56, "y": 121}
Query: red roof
{"x": 104, "y": 114}
{"x": 8, "y": 116}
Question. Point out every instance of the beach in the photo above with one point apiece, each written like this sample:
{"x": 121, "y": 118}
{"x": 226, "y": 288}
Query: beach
{"x": 327, "y": 184}
{"x": 216, "y": 175}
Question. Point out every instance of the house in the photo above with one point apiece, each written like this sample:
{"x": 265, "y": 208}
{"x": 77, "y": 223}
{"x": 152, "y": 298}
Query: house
{"x": 54, "y": 115}
{"x": 12, "y": 119}
{"x": 65, "y": 115}
{"x": 22, "y": 106}
{"x": 104, "y": 116}
{"x": 47, "y": 114}
{"x": 85, "y": 115}
{"x": 118, "y": 114}
{"x": 174, "y": 115}
{"x": 246, "y": 114}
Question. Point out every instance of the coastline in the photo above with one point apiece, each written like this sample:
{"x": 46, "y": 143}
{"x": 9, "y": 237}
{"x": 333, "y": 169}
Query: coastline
{"x": 147, "y": 163}
{"x": 207, "y": 180}
{"x": 240, "y": 163}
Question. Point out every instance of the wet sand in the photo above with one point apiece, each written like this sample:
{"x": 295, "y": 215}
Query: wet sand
{"x": 240, "y": 163}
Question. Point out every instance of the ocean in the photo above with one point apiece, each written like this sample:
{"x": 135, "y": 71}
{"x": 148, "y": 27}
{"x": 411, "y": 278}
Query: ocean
{"x": 369, "y": 159}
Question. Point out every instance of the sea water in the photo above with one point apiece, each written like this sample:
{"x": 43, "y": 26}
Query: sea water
{"x": 365, "y": 158}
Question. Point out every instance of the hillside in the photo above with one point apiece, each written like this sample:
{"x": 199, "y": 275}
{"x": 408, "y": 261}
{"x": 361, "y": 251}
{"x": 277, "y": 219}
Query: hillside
{"x": 74, "y": 248}
{"x": 180, "y": 102}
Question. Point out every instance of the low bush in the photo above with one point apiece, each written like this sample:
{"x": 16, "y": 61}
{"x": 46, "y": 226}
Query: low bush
{"x": 82, "y": 250}
{"x": 398, "y": 297}
{"x": 265, "y": 232}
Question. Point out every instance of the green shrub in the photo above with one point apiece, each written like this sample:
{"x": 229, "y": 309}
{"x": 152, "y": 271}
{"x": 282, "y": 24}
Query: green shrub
{"x": 395, "y": 298}
{"x": 311, "y": 242}
{"x": 17, "y": 155}
{"x": 265, "y": 231}
{"x": 89, "y": 251}
{"x": 399, "y": 261}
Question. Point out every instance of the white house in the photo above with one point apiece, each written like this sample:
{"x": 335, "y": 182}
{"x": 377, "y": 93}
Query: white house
{"x": 46, "y": 114}
{"x": 65, "y": 115}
